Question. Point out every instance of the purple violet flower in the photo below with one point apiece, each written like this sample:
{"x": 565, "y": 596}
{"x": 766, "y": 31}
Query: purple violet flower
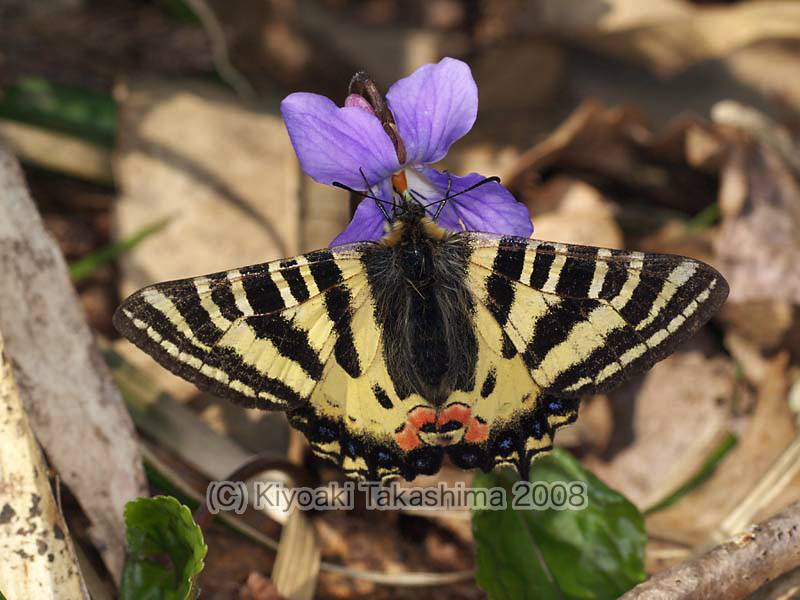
{"x": 361, "y": 145}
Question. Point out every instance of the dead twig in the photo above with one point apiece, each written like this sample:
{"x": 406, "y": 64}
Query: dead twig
{"x": 732, "y": 570}
{"x": 219, "y": 50}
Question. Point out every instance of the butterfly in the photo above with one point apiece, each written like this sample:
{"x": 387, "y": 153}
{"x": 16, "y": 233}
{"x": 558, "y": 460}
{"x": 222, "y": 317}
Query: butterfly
{"x": 389, "y": 355}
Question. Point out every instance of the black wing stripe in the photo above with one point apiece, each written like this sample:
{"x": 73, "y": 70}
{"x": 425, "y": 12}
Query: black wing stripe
{"x": 222, "y": 296}
{"x": 186, "y": 300}
{"x": 293, "y": 277}
{"x": 545, "y": 256}
{"x": 554, "y": 327}
{"x": 576, "y": 275}
{"x": 290, "y": 342}
{"x": 338, "y": 299}
{"x": 639, "y": 305}
{"x": 508, "y": 264}
{"x": 262, "y": 292}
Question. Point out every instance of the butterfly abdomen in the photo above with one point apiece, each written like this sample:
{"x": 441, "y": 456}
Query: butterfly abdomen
{"x": 425, "y": 309}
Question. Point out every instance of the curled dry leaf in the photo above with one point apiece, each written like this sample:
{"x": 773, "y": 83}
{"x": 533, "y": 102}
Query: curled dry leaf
{"x": 759, "y": 243}
{"x": 75, "y": 410}
{"x": 667, "y": 36}
{"x": 39, "y": 560}
{"x": 667, "y": 422}
{"x": 766, "y": 435}
{"x": 615, "y": 150}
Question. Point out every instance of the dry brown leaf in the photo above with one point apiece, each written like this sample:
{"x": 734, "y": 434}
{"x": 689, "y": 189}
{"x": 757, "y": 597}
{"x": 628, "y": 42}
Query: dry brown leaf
{"x": 614, "y": 150}
{"x": 258, "y": 587}
{"x": 667, "y": 422}
{"x": 39, "y": 559}
{"x": 579, "y": 215}
{"x": 759, "y": 243}
{"x": 763, "y": 323}
{"x": 665, "y": 35}
{"x": 75, "y": 410}
{"x": 767, "y": 434}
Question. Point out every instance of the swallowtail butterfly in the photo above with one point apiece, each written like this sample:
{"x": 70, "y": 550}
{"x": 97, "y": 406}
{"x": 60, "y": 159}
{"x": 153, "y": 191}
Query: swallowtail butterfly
{"x": 389, "y": 355}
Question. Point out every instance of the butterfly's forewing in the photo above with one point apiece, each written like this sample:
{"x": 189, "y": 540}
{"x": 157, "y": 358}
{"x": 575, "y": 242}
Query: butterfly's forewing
{"x": 584, "y": 318}
{"x": 259, "y": 335}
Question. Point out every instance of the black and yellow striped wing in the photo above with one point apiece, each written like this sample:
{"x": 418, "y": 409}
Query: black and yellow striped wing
{"x": 259, "y": 335}
{"x": 570, "y": 320}
{"x": 297, "y": 335}
{"x": 552, "y": 322}
{"x": 584, "y": 318}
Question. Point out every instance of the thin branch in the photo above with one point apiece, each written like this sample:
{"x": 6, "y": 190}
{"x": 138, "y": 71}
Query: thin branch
{"x": 219, "y": 50}
{"x": 732, "y": 570}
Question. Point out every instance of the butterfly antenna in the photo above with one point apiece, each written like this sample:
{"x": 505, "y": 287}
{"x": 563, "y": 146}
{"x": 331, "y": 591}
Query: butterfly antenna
{"x": 417, "y": 196}
{"x": 379, "y": 202}
{"x": 447, "y": 197}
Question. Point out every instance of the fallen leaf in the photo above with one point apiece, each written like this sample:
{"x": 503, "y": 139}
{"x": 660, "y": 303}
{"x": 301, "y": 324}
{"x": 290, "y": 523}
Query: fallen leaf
{"x": 767, "y": 433}
{"x": 667, "y": 36}
{"x": 75, "y": 410}
{"x": 578, "y": 214}
{"x": 39, "y": 559}
{"x": 258, "y": 587}
{"x": 759, "y": 245}
{"x": 667, "y": 422}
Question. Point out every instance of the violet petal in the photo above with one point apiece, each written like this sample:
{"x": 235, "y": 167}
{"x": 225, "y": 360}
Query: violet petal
{"x": 334, "y": 144}
{"x": 489, "y": 208}
{"x": 368, "y": 222}
{"x": 433, "y": 107}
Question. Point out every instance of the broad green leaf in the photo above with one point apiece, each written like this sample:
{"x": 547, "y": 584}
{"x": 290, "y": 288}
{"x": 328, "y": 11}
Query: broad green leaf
{"x": 83, "y": 113}
{"x": 165, "y": 551}
{"x": 2, "y": 597}
{"x": 596, "y": 552}
{"x": 86, "y": 266}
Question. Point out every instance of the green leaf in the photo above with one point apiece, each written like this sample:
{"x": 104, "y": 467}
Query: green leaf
{"x": 2, "y": 597}
{"x": 83, "y": 113}
{"x": 596, "y": 552}
{"x": 707, "y": 217}
{"x": 165, "y": 551}
{"x": 86, "y": 266}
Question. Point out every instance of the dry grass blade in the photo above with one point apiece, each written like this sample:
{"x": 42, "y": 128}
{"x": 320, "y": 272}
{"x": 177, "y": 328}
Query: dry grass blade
{"x": 58, "y": 151}
{"x": 298, "y": 561}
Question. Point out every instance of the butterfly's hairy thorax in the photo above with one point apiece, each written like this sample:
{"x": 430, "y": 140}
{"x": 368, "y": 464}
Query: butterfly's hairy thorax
{"x": 418, "y": 280}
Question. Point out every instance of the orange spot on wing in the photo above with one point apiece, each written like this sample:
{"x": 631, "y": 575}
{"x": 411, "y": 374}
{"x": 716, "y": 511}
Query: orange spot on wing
{"x": 454, "y": 412}
{"x": 477, "y": 432}
{"x": 407, "y": 439}
{"x": 422, "y": 415}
